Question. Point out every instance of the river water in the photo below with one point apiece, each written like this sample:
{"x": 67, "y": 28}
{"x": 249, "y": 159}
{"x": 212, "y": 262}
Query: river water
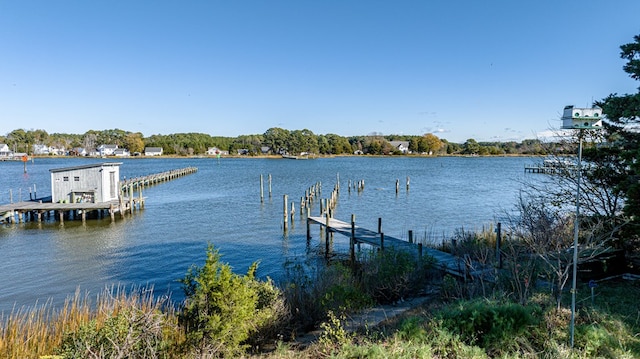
{"x": 220, "y": 204}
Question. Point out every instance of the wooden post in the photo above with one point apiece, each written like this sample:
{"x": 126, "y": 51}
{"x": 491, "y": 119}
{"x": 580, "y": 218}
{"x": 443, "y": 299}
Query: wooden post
{"x": 61, "y": 216}
{"x": 327, "y": 235}
{"x": 308, "y": 229}
{"x": 286, "y": 219}
{"x": 382, "y": 241}
{"x": 499, "y": 245}
{"x": 408, "y": 183}
{"x": 397, "y": 185}
{"x": 261, "y": 190}
{"x": 410, "y": 236}
{"x": 293, "y": 211}
{"x": 140, "y": 196}
{"x": 379, "y": 225}
{"x": 352, "y": 242}
{"x": 269, "y": 178}
{"x": 131, "y": 198}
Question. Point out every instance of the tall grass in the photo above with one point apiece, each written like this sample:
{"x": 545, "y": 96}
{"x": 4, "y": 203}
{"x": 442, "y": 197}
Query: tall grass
{"x": 32, "y": 332}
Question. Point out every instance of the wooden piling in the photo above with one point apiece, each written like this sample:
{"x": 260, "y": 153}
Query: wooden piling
{"x": 397, "y": 185}
{"x": 379, "y": 224}
{"x": 293, "y": 211}
{"x": 285, "y": 215}
{"x": 261, "y": 189}
{"x": 382, "y": 241}
{"x": 327, "y": 235}
{"x": 269, "y": 179}
{"x": 352, "y": 241}
{"x": 410, "y": 236}
{"x": 130, "y": 198}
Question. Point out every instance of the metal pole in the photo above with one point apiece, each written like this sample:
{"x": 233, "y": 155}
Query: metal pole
{"x": 576, "y": 229}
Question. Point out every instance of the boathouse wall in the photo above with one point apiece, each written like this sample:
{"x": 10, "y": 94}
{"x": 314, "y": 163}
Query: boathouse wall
{"x": 92, "y": 183}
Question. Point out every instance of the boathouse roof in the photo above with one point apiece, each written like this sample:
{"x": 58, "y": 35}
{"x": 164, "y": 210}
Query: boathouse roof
{"x": 92, "y": 165}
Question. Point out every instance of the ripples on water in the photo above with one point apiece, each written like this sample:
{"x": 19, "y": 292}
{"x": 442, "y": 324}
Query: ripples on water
{"x": 220, "y": 204}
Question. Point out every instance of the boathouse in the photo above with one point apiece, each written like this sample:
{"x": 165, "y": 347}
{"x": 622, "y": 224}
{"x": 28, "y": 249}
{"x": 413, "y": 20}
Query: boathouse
{"x": 92, "y": 183}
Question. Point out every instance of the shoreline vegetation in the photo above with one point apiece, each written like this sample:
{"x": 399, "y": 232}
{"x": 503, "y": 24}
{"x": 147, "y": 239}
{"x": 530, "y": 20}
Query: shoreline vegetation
{"x": 274, "y": 142}
{"x": 231, "y": 315}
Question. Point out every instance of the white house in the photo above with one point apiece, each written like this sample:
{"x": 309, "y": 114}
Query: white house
{"x": 92, "y": 183}
{"x": 39, "y": 149}
{"x": 402, "y": 146}
{"x": 153, "y": 151}
{"x": 106, "y": 150}
{"x": 215, "y": 151}
{"x": 5, "y": 151}
{"x": 121, "y": 152}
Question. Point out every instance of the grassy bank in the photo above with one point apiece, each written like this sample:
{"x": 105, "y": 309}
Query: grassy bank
{"x": 230, "y": 315}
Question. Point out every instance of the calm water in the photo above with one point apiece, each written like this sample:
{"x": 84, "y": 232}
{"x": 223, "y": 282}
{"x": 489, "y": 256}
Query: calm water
{"x": 220, "y": 204}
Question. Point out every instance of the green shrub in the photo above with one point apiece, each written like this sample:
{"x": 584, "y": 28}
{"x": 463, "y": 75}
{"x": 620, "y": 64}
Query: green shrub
{"x": 391, "y": 275}
{"x": 222, "y": 309}
{"x": 490, "y": 325}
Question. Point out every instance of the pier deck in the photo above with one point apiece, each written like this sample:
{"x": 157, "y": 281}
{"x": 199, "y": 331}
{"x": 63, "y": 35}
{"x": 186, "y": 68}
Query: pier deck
{"x": 127, "y": 201}
{"x": 444, "y": 261}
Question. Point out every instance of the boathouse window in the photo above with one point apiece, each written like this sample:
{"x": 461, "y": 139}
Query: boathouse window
{"x": 65, "y": 178}
{"x": 76, "y": 178}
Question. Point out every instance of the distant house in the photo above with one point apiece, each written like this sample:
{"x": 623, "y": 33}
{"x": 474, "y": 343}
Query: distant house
{"x": 153, "y": 151}
{"x": 215, "y": 151}
{"x": 402, "y": 146}
{"x": 121, "y": 152}
{"x": 39, "y": 149}
{"x": 78, "y": 151}
{"x": 265, "y": 150}
{"x": 57, "y": 151}
{"x": 106, "y": 150}
{"x": 243, "y": 151}
{"x": 4, "y": 150}
{"x": 91, "y": 183}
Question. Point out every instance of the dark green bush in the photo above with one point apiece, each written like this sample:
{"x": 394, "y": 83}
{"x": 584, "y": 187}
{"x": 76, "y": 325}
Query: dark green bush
{"x": 223, "y": 309}
{"x": 490, "y": 325}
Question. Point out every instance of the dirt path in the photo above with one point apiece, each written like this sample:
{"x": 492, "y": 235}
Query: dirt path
{"x": 369, "y": 318}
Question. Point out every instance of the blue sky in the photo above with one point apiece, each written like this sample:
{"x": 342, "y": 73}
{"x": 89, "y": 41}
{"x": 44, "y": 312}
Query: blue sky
{"x": 487, "y": 70}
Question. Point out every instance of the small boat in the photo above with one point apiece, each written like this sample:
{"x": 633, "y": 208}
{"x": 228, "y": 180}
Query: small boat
{"x": 302, "y": 156}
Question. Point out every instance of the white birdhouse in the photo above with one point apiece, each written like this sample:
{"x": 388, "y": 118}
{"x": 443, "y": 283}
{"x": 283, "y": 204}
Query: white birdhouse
{"x": 581, "y": 118}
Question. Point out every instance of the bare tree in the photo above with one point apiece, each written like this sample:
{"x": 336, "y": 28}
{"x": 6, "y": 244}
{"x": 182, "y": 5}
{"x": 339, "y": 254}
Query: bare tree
{"x": 546, "y": 232}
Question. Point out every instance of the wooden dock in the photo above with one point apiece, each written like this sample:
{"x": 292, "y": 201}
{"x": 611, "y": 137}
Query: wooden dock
{"x": 128, "y": 201}
{"x": 444, "y": 261}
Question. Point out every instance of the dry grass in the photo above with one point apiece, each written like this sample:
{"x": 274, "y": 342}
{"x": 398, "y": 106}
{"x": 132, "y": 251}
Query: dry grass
{"x": 38, "y": 331}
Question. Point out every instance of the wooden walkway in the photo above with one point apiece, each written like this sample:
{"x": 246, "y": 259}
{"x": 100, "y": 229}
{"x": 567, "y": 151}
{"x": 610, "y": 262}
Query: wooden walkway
{"x": 152, "y": 179}
{"x": 444, "y": 261}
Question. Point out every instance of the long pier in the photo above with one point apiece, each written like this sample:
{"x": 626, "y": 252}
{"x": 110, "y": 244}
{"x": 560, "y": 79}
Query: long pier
{"x": 444, "y": 261}
{"x": 127, "y": 201}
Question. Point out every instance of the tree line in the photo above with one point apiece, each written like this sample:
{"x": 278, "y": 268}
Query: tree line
{"x": 275, "y": 141}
